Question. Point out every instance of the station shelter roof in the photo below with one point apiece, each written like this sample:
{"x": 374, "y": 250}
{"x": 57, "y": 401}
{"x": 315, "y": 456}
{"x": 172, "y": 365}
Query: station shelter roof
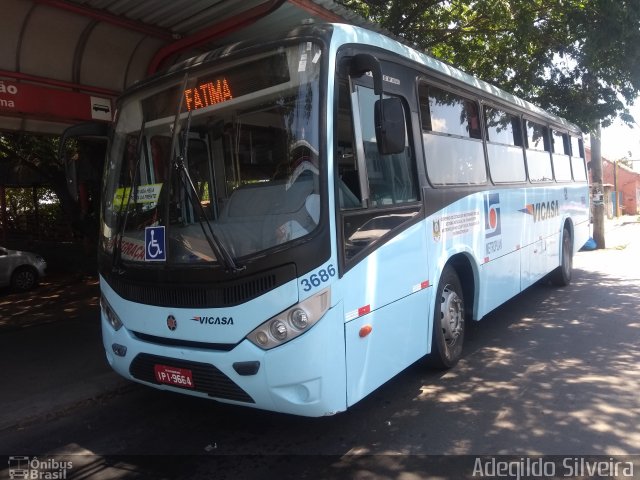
{"x": 65, "y": 61}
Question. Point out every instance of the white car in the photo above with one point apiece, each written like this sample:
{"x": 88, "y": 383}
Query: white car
{"x": 21, "y": 270}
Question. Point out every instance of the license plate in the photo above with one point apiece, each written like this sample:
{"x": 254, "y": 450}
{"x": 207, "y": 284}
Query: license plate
{"x": 180, "y": 377}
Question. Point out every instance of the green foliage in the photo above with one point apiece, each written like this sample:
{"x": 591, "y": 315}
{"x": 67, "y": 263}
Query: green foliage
{"x": 626, "y": 162}
{"x": 43, "y": 221}
{"x": 577, "y": 58}
{"x": 38, "y": 154}
{"x": 20, "y": 199}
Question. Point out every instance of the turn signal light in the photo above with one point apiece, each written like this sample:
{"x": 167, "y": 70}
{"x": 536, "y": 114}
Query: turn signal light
{"x": 365, "y": 330}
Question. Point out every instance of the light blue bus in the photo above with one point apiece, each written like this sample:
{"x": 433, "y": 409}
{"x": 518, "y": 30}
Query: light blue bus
{"x": 287, "y": 224}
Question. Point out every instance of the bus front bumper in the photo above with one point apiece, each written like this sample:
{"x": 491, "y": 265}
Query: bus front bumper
{"x": 305, "y": 376}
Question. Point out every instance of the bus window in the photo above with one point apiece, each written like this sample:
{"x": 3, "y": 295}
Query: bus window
{"x": 391, "y": 177}
{"x": 348, "y": 181}
{"x": 537, "y": 137}
{"x": 452, "y": 141}
{"x": 389, "y": 180}
{"x": 577, "y": 160}
{"x": 504, "y": 146}
{"x": 538, "y": 149}
{"x": 198, "y": 166}
{"x": 561, "y": 159}
{"x": 452, "y": 114}
{"x": 160, "y": 147}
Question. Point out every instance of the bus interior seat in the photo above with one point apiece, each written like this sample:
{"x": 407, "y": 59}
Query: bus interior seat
{"x": 254, "y": 213}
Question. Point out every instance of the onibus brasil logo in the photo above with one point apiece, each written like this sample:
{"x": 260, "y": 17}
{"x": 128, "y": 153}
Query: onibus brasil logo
{"x": 24, "y": 467}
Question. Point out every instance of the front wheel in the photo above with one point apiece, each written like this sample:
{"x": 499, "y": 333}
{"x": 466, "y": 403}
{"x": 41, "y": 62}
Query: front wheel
{"x": 561, "y": 276}
{"x": 448, "y": 322}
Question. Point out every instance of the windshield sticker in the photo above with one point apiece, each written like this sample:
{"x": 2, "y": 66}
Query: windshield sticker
{"x": 145, "y": 194}
{"x": 154, "y": 242}
{"x": 302, "y": 65}
{"x": 131, "y": 249}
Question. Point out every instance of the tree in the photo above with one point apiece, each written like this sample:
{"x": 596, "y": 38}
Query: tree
{"x": 576, "y": 58}
{"x": 39, "y": 154}
{"x": 626, "y": 161}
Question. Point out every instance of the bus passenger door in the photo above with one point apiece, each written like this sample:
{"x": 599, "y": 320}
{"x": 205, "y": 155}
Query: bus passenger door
{"x": 383, "y": 245}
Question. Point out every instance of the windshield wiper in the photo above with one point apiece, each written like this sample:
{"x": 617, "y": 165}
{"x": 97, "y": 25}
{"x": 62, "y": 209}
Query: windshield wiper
{"x": 217, "y": 246}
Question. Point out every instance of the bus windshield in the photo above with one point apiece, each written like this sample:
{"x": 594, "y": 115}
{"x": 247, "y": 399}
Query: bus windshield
{"x": 222, "y": 162}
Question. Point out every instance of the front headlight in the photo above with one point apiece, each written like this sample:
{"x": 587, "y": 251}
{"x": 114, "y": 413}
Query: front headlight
{"x": 112, "y": 317}
{"x": 292, "y": 322}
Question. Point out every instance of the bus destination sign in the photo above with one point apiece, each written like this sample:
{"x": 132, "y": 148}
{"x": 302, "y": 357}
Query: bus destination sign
{"x": 206, "y": 94}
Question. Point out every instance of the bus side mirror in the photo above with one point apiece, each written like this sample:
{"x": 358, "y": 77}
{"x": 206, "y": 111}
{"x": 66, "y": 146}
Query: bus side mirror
{"x": 89, "y": 129}
{"x": 390, "y": 126}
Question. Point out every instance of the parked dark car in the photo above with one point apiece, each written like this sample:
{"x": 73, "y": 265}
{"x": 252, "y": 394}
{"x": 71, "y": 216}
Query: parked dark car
{"x": 21, "y": 270}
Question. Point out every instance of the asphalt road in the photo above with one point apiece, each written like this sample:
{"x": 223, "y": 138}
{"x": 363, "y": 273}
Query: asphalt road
{"x": 552, "y": 372}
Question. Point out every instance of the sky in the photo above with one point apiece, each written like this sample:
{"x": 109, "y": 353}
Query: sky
{"x": 619, "y": 139}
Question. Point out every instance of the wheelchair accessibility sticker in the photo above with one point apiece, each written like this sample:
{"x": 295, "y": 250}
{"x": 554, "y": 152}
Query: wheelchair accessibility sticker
{"x": 154, "y": 244}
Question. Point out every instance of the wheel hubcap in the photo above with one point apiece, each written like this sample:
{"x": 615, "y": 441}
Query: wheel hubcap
{"x": 24, "y": 280}
{"x": 451, "y": 316}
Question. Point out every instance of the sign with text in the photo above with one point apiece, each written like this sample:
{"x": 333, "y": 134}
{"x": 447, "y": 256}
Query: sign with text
{"x": 25, "y": 98}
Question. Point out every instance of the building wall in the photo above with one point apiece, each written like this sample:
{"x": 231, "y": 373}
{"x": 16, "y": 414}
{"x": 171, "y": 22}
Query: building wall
{"x": 625, "y": 180}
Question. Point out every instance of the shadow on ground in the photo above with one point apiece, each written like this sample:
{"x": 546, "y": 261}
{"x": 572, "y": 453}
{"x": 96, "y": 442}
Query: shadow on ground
{"x": 58, "y": 297}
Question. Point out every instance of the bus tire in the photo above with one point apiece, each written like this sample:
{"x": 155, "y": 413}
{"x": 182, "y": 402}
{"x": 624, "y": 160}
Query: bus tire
{"x": 448, "y": 322}
{"x": 561, "y": 276}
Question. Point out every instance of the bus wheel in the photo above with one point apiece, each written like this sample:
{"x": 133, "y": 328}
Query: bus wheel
{"x": 448, "y": 322}
{"x": 561, "y": 276}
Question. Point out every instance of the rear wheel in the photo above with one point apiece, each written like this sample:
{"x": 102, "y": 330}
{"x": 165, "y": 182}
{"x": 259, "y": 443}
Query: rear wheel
{"x": 24, "y": 278}
{"x": 561, "y": 276}
{"x": 448, "y": 321}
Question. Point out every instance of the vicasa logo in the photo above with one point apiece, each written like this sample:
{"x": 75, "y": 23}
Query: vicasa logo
{"x": 543, "y": 210}
{"x": 213, "y": 320}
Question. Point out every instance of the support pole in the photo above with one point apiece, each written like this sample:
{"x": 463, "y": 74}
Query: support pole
{"x": 616, "y": 203}
{"x": 3, "y": 212}
{"x": 598, "y": 189}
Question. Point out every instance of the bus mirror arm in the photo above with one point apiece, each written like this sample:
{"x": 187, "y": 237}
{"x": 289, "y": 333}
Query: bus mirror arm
{"x": 363, "y": 63}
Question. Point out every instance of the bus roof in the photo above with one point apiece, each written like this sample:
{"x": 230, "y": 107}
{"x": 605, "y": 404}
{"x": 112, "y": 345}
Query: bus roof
{"x": 344, "y": 34}
{"x": 350, "y": 34}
